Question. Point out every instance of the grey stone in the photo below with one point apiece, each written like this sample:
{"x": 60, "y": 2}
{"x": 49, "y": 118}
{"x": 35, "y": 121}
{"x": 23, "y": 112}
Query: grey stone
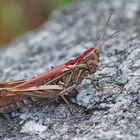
{"x": 111, "y": 113}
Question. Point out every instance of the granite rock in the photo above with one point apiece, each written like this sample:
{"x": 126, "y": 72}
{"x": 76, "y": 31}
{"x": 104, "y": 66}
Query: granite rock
{"x": 111, "y": 113}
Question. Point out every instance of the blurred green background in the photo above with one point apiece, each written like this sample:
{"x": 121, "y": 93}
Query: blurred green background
{"x": 20, "y": 16}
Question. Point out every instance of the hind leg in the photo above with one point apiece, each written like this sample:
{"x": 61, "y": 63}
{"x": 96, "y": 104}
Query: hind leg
{"x": 66, "y": 91}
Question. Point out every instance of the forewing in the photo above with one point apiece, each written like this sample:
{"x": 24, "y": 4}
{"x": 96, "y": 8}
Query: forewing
{"x": 43, "y": 77}
{"x": 12, "y": 83}
{"x": 39, "y": 91}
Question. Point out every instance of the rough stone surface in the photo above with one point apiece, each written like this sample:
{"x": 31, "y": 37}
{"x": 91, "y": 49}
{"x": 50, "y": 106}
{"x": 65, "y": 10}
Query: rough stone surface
{"x": 113, "y": 112}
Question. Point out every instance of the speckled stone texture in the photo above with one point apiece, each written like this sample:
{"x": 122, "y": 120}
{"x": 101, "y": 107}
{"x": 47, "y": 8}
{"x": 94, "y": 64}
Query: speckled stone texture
{"x": 110, "y": 114}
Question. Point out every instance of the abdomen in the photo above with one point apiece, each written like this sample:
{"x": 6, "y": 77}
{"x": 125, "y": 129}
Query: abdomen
{"x": 12, "y": 103}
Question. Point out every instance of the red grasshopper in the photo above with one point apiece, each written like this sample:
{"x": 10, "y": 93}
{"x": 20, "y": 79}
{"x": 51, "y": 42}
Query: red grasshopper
{"x": 56, "y": 82}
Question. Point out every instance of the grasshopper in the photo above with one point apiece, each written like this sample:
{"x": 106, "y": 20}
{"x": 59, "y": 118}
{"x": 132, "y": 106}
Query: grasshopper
{"x": 57, "y": 81}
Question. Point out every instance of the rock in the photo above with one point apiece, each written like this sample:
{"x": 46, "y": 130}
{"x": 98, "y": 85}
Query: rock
{"x": 111, "y": 113}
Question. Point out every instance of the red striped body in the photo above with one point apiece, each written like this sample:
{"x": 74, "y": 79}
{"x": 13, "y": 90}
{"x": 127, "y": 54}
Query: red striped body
{"x": 25, "y": 84}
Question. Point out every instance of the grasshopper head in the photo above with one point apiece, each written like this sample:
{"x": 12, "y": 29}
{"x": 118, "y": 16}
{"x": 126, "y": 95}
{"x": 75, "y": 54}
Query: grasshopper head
{"x": 88, "y": 60}
{"x": 91, "y": 59}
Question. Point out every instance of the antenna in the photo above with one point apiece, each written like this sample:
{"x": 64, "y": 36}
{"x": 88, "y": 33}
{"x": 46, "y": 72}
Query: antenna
{"x": 104, "y": 31}
{"x": 111, "y": 36}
